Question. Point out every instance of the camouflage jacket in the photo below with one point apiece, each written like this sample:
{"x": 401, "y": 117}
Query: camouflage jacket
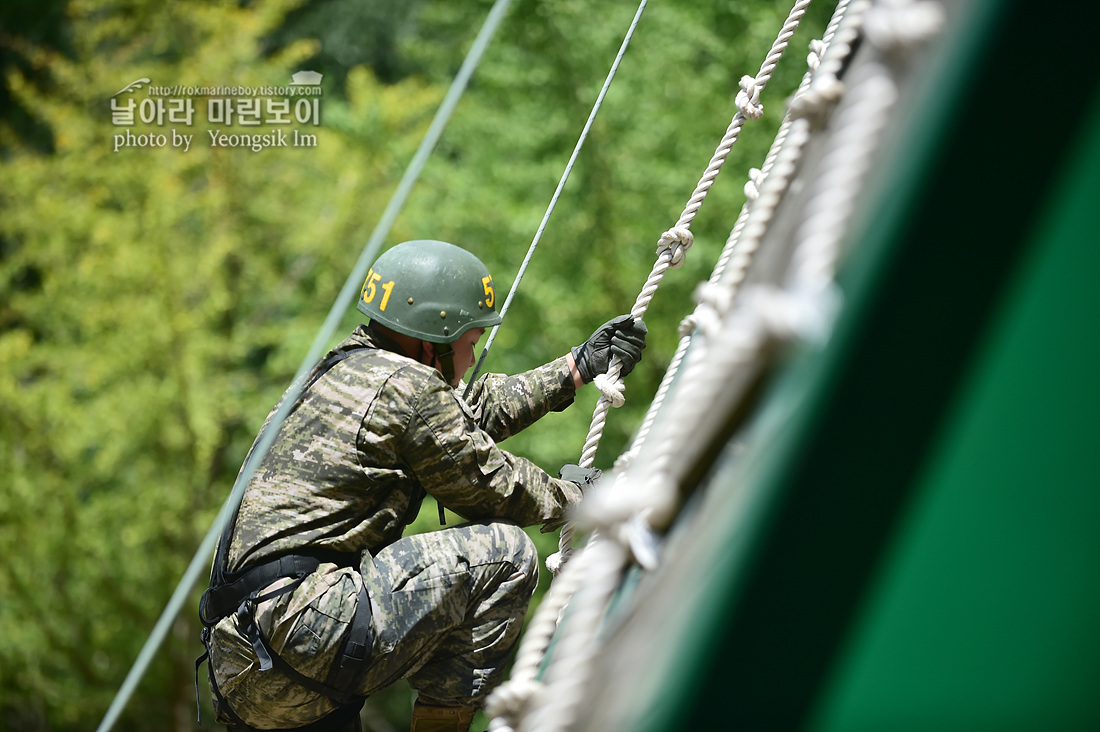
{"x": 377, "y": 430}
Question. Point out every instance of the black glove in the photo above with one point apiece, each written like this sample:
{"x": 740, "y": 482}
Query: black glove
{"x": 583, "y": 477}
{"x": 622, "y": 336}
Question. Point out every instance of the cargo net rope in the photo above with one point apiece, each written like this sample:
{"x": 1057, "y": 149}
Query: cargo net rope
{"x": 732, "y": 326}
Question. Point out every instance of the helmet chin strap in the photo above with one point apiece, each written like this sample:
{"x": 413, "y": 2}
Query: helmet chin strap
{"x": 445, "y": 359}
{"x": 447, "y": 363}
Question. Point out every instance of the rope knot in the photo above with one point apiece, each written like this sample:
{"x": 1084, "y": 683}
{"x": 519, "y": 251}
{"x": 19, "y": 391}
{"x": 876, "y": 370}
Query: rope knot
{"x": 902, "y": 24}
{"x": 555, "y": 562}
{"x": 748, "y": 99}
{"x": 611, "y": 388}
{"x": 511, "y": 699}
{"x": 799, "y": 312}
{"x": 638, "y": 537}
{"x": 752, "y": 186}
{"x": 715, "y": 302}
{"x": 775, "y": 309}
{"x": 818, "y": 100}
{"x": 817, "y": 51}
{"x": 676, "y": 241}
{"x": 688, "y": 325}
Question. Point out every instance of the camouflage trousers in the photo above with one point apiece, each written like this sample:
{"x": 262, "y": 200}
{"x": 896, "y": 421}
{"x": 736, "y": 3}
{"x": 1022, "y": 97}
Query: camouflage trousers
{"x": 447, "y": 609}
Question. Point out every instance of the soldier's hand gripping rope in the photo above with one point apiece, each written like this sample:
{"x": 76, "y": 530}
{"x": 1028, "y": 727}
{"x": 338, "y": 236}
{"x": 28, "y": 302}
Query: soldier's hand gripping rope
{"x": 622, "y": 336}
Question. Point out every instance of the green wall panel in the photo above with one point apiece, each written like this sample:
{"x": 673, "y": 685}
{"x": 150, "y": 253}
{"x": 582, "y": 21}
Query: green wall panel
{"x": 987, "y": 616}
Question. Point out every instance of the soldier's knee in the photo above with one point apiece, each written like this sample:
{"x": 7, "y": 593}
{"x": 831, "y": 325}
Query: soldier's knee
{"x": 518, "y": 549}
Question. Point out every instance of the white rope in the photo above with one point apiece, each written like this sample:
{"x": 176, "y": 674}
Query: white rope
{"x": 734, "y": 247}
{"x": 655, "y": 490}
{"x": 510, "y": 701}
{"x": 899, "y": 25}
{"x": 740, "y": 254}
{"x": 672, "y": 247}
{"x": 749, "y": 101}
{"x": 599, "y": 569}
{"x": 734, "y": 328}
{"x": 554, "y": 707}
{"x": 802, "y": 308}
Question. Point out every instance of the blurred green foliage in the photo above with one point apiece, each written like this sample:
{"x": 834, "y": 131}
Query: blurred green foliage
{"x": 154, "y": 303}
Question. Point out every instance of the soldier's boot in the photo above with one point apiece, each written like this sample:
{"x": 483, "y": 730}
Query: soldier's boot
{"x": 428, "y": 718}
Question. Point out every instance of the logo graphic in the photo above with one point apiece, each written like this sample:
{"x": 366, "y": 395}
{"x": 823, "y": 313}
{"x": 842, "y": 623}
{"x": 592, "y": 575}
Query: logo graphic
{"x": 132, "y": 86}
{"x": 310, "y": 78}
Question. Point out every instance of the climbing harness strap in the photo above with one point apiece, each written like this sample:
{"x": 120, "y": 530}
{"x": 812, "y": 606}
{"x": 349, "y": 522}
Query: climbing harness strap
{"x": 447, "y": 361}
{"x": 240, "y": 592}
{"x": 241, "y": 598}
{"x": 218, "y": 602}
{"x": 342, "y": 715}
{"x": 218, "y": 574}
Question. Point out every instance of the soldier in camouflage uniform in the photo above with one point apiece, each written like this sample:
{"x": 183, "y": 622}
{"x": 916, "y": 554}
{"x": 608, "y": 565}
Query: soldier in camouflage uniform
{"x": 380, "y": 424}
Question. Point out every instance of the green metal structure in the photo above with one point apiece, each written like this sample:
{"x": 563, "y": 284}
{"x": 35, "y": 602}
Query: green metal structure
{"x": 904, "y": 533}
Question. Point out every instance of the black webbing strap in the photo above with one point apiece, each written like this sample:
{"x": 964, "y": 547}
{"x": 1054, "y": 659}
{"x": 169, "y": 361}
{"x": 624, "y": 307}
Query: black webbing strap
{"x": 218, "y": 602}
{"x": 340, "y": 718}
{"x": 270, "y": 659}
{"x": 237, "y": 592}
{"x": 353, "y": 657}
{"x": 447, "y": 361}
{"x": 219, "y": 572}
{"x": 230, "y": 592}
{"x": 243, "y": 595}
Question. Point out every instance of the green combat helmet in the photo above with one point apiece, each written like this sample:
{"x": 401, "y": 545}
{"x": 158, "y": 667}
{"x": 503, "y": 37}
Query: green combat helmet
{"x": 430, "y": 290}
